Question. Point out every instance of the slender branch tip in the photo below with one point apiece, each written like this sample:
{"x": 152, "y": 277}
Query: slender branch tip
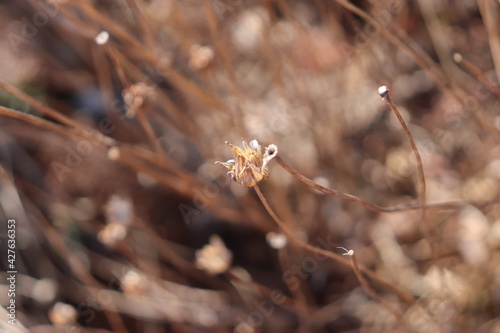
{"x": 347, "y": 252}
{"x": 383, "y": 91}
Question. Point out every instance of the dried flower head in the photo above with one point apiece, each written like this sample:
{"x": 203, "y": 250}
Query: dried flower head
{"x": 249, "y": 166}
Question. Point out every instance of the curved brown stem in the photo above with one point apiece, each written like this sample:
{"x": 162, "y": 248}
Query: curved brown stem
{"x": 403, "y": 295}
{"x": 359, "y": 201}
{"x": 398, "y": 315}
{"x": 426, "y": 231}
{"x": 474, "y": 71}
{"x": 47, "y": 111}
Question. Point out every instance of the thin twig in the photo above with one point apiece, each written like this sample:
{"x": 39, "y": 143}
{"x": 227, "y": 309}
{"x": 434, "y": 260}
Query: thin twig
{"x": 141, "y": 117}
{"x": 399, "y": 38}
{"x": 354, "y": 262}
{"x": 221, "y": 47}
{"x": 384, "y": 93}
{"x": 87, "y": 134}
{"x": 491, "y": 14}
{"x": 404, "y": 295}
{"x": 299, "y": 297}
{"x": 476, "y": 73}
{"x": 218, "y": 205}
{"x": 359, "y": 201}
{"x": 139, "y": 160}
{"x": 150, "y": 57}
{"x": 77, "y": 268}
{"x": 46, "y": 111}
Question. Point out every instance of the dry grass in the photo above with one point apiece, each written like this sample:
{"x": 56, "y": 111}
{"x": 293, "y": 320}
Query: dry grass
{"x": 108, "y": 151}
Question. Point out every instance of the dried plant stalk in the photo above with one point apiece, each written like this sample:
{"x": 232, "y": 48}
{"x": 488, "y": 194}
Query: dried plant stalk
{"x": 398, "y": 315}
{"x": 78, "y": 269}
{"x": 399, "y": 38}
{"x": 352, "y": 198}
{"x": 47, "y": 111}
{"x": 476, "y": 73}
{"x": 384, "y": 93}
{"x": 404, "y": 295}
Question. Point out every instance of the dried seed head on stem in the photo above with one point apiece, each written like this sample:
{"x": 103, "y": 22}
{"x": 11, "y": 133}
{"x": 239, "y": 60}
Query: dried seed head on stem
{"x": 249, "y": 165}
{"x": 384, "y": 93}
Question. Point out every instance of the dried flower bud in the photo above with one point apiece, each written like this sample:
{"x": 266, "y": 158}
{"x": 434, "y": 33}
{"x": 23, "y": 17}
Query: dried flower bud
{"x": 135, "y": 96}
{"x": 383, "y": 91}
{"x": 347, "y": 252}
{"x": 62, "y": 314}
{"x": 200, "y": 57}
{"x": 102, "y": 38}
{"x": 134, "y": 283}
{"x": 249, "y": 166}
{"x": 112, "y": 234}
{"x": 214, "y": 258}
{"x": 114, "y": 153}
{"x": 276, "y": 240}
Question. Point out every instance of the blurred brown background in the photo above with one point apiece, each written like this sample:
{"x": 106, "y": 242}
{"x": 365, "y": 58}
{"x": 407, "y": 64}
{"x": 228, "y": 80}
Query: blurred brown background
{"x": 125, "y": 224}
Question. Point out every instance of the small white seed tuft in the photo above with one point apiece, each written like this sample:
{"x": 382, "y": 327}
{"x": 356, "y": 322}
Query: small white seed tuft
{"x": 102, "y": 38}
{"x": 383, "y": 91}
{"x": 254, "y": 144}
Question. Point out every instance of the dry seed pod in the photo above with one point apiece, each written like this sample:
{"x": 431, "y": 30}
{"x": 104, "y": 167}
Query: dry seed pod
{"x": 249, "y": 166}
